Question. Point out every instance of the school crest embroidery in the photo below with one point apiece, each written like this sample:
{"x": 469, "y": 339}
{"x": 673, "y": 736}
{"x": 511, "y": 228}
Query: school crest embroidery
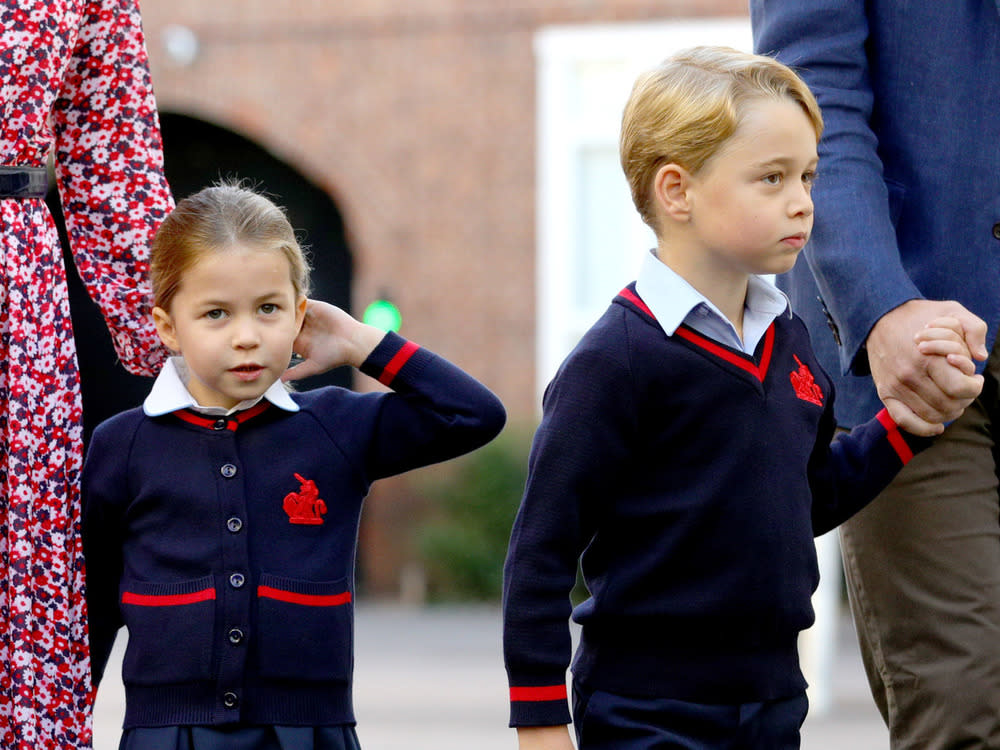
{"x": 805, "y": 384}
{"x": 305, "y": 506}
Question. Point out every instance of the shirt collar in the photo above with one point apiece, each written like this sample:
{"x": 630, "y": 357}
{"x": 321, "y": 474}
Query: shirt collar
{"x": 672, "y": 299}
{"x": 170, "y": 393}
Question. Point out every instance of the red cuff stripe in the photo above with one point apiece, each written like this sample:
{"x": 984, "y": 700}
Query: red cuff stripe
{"x": 396, "y": 363}
{"x": 310, "y": 600}
{"x": 545, "y": 693}
{"x": 167, "y": 600}
{"x": 896, "y": 440}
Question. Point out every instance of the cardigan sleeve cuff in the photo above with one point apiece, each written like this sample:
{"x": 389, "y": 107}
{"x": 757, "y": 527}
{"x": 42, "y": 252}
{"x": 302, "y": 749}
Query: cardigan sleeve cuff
{"x": 394, "y": 357}
{"x": 539, "y": 705}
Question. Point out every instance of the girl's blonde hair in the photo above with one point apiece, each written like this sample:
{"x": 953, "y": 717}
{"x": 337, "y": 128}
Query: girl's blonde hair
{"x": 215, "y": 219}
{"x": 683, "y": 110}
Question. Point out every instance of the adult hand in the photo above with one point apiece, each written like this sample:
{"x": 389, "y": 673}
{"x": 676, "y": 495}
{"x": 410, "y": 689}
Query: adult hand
{"x": 923, "y": 391}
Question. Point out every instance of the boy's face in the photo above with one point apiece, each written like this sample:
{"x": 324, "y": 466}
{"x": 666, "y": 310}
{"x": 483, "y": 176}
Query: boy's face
{"x": 234, "y": 320}
{"x": 751, "y": 210}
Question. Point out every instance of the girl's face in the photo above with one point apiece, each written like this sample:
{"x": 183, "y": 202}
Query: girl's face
{"x": 234, "y": 319}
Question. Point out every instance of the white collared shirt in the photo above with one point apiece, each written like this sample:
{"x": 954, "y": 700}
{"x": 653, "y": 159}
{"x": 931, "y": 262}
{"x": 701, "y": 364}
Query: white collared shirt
{"x": 673, "y": 301}
{"x": 170, "y": 393}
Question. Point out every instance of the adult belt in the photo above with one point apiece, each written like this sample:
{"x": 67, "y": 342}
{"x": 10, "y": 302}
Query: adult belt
{"x": 23, "y": 182}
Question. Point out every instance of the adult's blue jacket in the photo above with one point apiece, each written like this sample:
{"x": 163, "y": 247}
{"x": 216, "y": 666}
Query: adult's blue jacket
{"x": 908, "y": 195}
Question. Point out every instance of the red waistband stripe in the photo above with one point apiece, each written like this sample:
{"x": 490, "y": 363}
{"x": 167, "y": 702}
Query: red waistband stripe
{"x": 167, "y": 600}
{"x": 309, "y": 600}
{"x": 396, "y": 363}
{"x": 535, "y": 694}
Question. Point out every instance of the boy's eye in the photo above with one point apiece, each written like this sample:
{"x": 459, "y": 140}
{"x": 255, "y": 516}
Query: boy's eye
{"x": 809, "y": 178}
{"x": 772, "y": 179}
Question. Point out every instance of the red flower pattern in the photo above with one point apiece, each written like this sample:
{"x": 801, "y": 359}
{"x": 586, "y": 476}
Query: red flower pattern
{"x": 75, "y": 84}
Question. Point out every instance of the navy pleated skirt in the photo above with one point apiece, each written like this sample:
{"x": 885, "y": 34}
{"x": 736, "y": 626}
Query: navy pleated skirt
{"x": 240, "y": 738}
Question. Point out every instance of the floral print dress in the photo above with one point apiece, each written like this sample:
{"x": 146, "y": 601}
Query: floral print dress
{"x": 75, "y": 84}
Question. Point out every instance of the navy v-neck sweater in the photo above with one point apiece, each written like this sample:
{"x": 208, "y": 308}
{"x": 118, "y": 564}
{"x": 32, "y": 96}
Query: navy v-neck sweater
{"x": 692, "y": 478}
{"x": 226, "y": 545}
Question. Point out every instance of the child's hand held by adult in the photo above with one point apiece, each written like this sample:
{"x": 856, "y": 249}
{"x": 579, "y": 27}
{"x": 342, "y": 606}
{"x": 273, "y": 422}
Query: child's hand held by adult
{"x": 945, "y": 337}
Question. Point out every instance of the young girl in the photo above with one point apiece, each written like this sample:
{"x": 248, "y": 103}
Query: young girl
{"x": 221, "y": 518}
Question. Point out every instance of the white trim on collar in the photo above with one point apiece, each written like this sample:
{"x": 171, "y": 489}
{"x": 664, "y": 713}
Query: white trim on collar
{"x": 169, "y": 393}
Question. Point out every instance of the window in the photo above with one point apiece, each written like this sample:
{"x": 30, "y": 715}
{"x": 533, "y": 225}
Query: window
{"x": 590, "y": 238}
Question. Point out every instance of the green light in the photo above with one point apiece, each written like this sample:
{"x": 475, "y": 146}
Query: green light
{"x": 383, "y": 314}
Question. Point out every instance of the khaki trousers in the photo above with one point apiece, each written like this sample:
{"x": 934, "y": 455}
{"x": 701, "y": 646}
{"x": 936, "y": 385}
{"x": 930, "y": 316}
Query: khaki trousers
{"x": 923, "y": 571}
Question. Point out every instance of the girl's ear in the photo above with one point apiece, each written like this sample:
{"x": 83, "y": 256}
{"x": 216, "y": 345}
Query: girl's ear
{"x": 670, "y": 191}
{"x": 165, "y": 327}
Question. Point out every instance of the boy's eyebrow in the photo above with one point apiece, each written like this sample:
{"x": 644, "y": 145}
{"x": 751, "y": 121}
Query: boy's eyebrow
{"x": 781, "y": 161}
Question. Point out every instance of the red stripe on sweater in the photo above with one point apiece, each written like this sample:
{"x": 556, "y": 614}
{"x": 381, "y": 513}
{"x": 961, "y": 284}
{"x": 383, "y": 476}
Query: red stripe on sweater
{"x": 758, "y": 371}
{"x": 635, "y": 300}
{"x": 535, "y": 694}
{"x": 896, "y": 439}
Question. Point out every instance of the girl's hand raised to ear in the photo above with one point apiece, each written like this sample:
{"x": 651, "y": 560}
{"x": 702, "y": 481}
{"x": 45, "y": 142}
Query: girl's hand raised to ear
{"x": 331, "y": 338}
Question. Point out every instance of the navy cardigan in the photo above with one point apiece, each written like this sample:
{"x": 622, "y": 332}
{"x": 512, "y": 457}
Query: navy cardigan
{"x": 692, "y": 478}
{"x": 227, "y": 546}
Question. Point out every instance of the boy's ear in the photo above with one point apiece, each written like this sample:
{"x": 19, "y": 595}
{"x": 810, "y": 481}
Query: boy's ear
{"x": 165, "y": 327}
{"x": 300, "y": 312}
{"x": 670, "y": 191}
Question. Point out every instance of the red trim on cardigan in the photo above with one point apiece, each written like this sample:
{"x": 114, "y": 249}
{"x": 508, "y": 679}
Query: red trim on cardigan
{"x": 232, "y": 422}
{"x": 536, "y": 694}
{"x": 396, "y": 363}
{"x": 896, "y": 439}
{"x": 310, "y": 600}
{"x": 167, "y": 600}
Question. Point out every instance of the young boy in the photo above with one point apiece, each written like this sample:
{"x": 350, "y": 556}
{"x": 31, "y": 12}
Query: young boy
{"x": 685, "y": 448}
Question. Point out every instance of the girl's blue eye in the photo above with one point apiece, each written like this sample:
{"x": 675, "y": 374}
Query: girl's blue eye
{"x": 215, "y": 314}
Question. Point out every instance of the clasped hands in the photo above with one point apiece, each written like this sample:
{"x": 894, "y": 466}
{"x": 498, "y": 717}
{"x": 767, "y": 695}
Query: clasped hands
{"x": 921, "y": 357}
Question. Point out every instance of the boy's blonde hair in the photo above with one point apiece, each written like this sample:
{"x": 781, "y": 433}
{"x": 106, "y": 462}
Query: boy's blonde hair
{"x": 683, "y": 110}
{"x": 216, "y": 219}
